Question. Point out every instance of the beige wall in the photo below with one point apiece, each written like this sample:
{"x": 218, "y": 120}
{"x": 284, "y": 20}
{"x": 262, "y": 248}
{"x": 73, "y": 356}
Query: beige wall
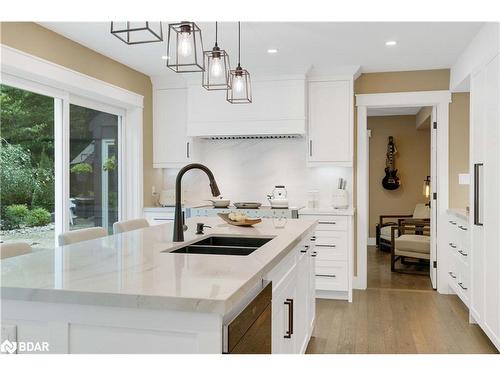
{"x": 412, "y": 161}
{"x": 459, "y": 149}
{"x": 39, "y": 41}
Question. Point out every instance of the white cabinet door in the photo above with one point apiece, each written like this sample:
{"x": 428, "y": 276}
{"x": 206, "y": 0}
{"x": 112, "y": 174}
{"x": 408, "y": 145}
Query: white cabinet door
{"x": 311, "y": 313}
{"x": 477, "y": 231}
{"x": 284, "y": 318}
{"x": 491, "y": 200}
{"x": 302, "y": 308}
{"x": 171, "y": 147}
{"x": 330, "y": 122}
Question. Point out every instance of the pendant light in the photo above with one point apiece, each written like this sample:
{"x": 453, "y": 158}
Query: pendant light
{"x": 185, "y": 48}
{"x": 240, "y": 91}
{"x": 137, "y": 32}
{"x": 216, "y": 61}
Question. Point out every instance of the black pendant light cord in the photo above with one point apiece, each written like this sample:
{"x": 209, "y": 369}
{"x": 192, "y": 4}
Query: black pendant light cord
{"x": 216, "y": 34}
{"x": 239, "y": 42}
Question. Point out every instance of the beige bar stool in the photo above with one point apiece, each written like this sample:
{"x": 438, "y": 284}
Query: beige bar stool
{"x": 128, "y": 225}
{"x": 8, "y": 250}
{"x": 80, "y": 235}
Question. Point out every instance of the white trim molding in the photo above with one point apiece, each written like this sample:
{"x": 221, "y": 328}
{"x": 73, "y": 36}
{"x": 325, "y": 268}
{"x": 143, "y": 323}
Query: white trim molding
{"x": 32, "y": 73}
{"x": 439, "y": 99}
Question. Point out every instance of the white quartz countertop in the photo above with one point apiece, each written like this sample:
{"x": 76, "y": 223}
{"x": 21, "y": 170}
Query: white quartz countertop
{"x": 132, "y": 269}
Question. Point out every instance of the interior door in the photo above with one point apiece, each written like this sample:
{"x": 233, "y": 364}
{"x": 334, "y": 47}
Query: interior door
{"x": 434, "y": 215}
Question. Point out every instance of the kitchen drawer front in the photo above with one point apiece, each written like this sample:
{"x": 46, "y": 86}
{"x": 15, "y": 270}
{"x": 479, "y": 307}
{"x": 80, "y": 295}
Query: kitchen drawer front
{"x": 332, "y": 275}
{"x": 329, "y": 222}
{"x": 333, "y": 247}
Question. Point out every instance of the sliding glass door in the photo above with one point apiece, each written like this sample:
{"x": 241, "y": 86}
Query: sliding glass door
{"x": 94, "y": 166}
{"x": 27, "y": 198}
{"x": 59, "y": 163}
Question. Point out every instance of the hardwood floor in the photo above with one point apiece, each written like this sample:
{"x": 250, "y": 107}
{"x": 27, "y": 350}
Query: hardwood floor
{"x": 398, "y": 313}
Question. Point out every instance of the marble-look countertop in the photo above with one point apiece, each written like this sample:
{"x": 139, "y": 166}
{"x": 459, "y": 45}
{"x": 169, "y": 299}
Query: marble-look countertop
{"x": 460, "y": 213}
{"x": 132, "y": 269}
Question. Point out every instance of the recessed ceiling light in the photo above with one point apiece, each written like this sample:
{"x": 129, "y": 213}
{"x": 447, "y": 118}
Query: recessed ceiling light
{"x": 391, "y": 43}
{"x": 272, "y": 50}
{"x": 165, "y": 57}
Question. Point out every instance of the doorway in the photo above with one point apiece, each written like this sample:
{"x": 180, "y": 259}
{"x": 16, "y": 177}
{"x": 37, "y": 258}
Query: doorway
{"x": 399, "y": 167}
{"x": 439, "y": 101}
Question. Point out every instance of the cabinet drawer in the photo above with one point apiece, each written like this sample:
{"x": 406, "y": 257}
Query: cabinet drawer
{"x": 331, "y": 275}
{"x": 328, "y": 222}
{"x": 331, "y": 248}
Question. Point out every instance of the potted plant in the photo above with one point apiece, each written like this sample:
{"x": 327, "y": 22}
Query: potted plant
{"x": 81, "y": 170}
{"x": 109, "y": 164}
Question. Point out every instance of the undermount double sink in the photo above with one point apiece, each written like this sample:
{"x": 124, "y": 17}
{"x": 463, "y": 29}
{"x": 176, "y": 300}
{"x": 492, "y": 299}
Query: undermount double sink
{"x": 221, "y": 245}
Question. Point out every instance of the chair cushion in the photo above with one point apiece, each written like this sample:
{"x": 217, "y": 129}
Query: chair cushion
{"x": 414, "y": 243}
{"x": 422, "y": 211}
{"x": 385, "y": 233}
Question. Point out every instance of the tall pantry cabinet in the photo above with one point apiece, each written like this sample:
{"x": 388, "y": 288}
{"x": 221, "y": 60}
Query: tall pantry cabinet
{"x": 485, "y": 199}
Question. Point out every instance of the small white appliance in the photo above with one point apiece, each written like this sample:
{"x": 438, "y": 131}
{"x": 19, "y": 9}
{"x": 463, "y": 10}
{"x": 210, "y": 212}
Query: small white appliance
{"x": 340, "y": 197}
{"x": 278, "y": 198}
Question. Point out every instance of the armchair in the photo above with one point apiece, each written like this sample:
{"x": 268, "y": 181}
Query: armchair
{"x": 383, "y": 229}
{"x": 410, "y": 239}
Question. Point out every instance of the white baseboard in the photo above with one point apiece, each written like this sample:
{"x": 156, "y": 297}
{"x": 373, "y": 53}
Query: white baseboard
{"x": 372, "y": 241}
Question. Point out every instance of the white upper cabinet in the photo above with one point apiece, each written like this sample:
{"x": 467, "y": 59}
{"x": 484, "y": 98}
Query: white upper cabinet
{"x": 278, "y": 108}
{"x": 330, "y": 120}
{"x": 171, "y": 146}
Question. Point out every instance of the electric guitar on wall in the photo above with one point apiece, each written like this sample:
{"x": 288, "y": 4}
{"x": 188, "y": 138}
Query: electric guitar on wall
{"x": 391, "y": 179}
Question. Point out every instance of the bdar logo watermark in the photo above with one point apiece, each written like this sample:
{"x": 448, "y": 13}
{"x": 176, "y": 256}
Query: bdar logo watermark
{"x": 10, "y": 347}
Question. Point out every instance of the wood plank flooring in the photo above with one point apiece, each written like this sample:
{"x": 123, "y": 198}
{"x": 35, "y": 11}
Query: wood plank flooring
{"x": 398, "y": 313}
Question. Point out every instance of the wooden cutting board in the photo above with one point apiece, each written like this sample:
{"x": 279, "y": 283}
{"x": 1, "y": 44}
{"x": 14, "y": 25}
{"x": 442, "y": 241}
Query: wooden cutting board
{"x": 247, "y": 223}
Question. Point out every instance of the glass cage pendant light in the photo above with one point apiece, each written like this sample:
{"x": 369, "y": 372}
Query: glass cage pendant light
{"x": 240, "y": 91}
{"x": 137, "y": 32}
{"x": 185, "y": 48}
{"x": 216, "y": 74}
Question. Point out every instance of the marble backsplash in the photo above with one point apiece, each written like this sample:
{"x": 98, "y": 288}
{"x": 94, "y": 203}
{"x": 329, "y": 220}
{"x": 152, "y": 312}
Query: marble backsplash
{"x": 248, "y": 170}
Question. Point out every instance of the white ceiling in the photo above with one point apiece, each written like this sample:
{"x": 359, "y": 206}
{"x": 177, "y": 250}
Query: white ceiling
{"x": 327, "y": 47}
{"x": 396, "y": 111}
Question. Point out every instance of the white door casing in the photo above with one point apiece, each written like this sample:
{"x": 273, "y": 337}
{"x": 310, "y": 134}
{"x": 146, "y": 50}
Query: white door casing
{"x": 441, "y": 100}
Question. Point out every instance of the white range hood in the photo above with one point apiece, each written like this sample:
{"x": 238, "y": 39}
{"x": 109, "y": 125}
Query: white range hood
{"x": 278, "y": 110}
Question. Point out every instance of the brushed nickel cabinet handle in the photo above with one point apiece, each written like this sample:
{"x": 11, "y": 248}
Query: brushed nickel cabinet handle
{"x": 452, "y": 275}
{"x": 331, "y": 246}
{"x": 462, "y": 253}
{"x": 327, "y": 222}
{"x": 187, "y": 150}
{"x": 325, "y": 275}
{"x": 310, "y": 147}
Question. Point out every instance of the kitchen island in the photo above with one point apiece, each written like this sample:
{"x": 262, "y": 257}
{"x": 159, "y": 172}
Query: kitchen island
{"x": 129, "y": 293}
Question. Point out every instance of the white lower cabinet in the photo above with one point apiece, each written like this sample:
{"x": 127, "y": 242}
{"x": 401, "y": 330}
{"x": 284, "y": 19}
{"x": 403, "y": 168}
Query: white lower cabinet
{"x": 459, "y": 252}
{"x": 332, "y": 246}
{"x": 293, "y": 301}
